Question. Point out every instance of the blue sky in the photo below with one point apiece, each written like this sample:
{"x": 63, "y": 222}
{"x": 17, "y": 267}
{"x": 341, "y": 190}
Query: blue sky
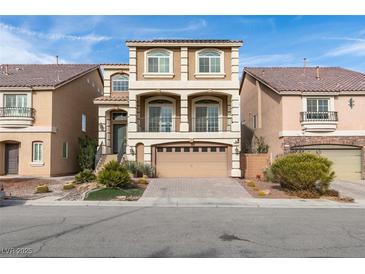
{"x": 268, "y": 40}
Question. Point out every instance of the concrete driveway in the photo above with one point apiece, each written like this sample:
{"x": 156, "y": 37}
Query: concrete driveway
{"x": 352, "y": 189}
{"x": 194, "y": 190}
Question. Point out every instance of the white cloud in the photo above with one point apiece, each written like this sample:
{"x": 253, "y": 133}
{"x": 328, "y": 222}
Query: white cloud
{"x": 16, "y": 50}
{"x": 193, "y": 25}
{"x": 357, "y": 48}
{"x": 267, "y": 60}
{"x": 54, "y": 36}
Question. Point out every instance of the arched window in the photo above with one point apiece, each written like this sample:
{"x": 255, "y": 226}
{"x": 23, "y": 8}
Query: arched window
{"x": 159, "y": 61}
{"x": 120, "y": 82}
{"x": 207, "y": 115}
{"x": 210, "y": 61}
{"x": 160, "y": 115}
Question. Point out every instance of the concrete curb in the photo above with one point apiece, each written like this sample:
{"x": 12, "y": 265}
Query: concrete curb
{"x": 255, "y": 203}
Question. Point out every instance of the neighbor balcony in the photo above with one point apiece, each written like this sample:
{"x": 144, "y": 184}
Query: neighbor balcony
{"x": 319, "y": 121}
{"x": 16, "y": 116}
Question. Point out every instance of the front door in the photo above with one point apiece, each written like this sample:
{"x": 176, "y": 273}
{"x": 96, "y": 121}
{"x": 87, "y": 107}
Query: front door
{"x": 119, "y": 136}
{"x": 11, "y": 158}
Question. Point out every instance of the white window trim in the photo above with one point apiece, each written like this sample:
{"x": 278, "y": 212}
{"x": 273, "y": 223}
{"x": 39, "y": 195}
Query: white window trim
{"x": 331, "y": 105}
{"x": 39, "y": 162}
{"x": 111, "y": 81}
{"x": 29, "y": 97}
{"x": 147, "y": 110}
{"x": 169, "y": 74}
{"x": 198, "y": 74}
{"x": 82, "y": 122}
{"x": 212, "y": 98}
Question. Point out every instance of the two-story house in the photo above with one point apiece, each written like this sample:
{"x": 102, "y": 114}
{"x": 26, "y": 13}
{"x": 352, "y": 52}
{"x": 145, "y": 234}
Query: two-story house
{"x": 174, "y": 106}
{"x": 321, "y": 110}
{"x": 43, "y": 111}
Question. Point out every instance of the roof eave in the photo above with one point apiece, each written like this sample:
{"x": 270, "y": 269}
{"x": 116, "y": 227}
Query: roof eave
{"x": 184, "y": 44}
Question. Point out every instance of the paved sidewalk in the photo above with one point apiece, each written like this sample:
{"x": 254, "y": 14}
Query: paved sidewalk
{"x": 193, "y": 202}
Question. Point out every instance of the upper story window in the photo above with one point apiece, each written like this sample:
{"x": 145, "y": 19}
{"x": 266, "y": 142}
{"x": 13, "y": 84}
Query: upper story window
{"x": 159, "y": 61}
{"x": 15, "y": 100}
{"x": 210, "y": 61}
{"x": 318, "y": 105}
{"x": 83, "y": 122}
{"x": 120, "y": 82}
{"x": 160, "y": 116}
{"x": 319, "y": 109}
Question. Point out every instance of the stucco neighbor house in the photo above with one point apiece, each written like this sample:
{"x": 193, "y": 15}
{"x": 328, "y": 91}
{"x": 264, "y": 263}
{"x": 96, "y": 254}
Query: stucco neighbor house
{"x": 43, "y": 111}
{"x": 313, "y": 109}
{"x": 174, "y": 106}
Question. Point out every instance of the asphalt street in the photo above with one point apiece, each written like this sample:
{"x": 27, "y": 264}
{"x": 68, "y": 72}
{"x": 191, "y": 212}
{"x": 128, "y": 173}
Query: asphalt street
{"x": 108, "y": 231}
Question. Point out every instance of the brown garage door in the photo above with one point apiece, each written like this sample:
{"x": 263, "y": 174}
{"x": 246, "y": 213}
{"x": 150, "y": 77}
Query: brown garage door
{"x": 192, "y": 161}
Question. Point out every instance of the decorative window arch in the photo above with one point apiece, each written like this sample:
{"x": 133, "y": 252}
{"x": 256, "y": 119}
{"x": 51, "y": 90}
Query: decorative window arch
{"x": 158, "y": 61}
{"x": 120, "y": 82}
{"x": 207, "y": 114}
{"x": 210, "y": 61}
{"x": 160, "y": 114}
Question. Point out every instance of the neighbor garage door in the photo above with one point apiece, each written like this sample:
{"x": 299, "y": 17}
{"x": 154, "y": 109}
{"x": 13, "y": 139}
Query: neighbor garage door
{"x": 346, "y": 160}
{"x": 191, "y": 161}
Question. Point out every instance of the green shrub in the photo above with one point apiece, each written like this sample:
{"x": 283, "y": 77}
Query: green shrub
{"x": 68, "y": 186}
{"x": 113, "y": 174}
{"x": 86, "y": 157}
{"x": 85, "y": 176}
{"x": 261, "y": 193}
{"x": 268, "y": 175}
{"x": 303, "y": 172}
{"x": 42, "y": 189}
{"x": 139, "y": 169}
{"x": 260, "y": 145}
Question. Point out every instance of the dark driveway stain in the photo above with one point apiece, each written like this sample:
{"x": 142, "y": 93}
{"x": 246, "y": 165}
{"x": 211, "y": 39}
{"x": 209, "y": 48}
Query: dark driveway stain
{"x": 230, "y": 237}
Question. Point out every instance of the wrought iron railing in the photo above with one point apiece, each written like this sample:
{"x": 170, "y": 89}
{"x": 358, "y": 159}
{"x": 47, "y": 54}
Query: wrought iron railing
{"x": 327, "y": 116}
{"x": 98, "y": 154}
{"x": 122, "y": 150}
{"x": 211, "y": 124}
{"x": 158, "y": 124}
{"x": 17, "y": 112}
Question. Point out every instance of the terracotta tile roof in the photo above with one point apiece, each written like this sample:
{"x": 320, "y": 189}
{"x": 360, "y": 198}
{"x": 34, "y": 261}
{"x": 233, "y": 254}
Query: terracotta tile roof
{"x": 118, "y": 98}
{"x": 185, "y": 41}
{"x": 331, "y": 79}
{"x": 41, "y": 75}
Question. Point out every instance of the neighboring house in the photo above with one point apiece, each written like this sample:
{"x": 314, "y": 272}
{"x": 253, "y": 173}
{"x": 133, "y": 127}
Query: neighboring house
{"x": 313, "y": 109}
{"x": 43, "y": 111}
{"x": 175, "y": 106}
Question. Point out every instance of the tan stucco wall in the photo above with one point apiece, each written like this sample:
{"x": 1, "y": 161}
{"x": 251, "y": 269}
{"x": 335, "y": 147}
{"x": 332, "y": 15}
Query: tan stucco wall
{"x": 140, "y": 52}
{"x": 69, "y": 103}
{"x": 348, "y": 119}
{"x": 192, "y": 64}
{"x": 42, "y": 103}
{"x": 25, "y": 152}
{"x": 269, "y": 117}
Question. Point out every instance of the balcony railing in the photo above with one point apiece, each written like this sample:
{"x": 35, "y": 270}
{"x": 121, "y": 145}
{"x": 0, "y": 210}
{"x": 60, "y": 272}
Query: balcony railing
{"x": 211, "y": 124}
{"x": 328, "y": 116}
{"x": 17, "y": 112}
{"x": 158, "y": 124}
{"x": 169, "y": 124}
